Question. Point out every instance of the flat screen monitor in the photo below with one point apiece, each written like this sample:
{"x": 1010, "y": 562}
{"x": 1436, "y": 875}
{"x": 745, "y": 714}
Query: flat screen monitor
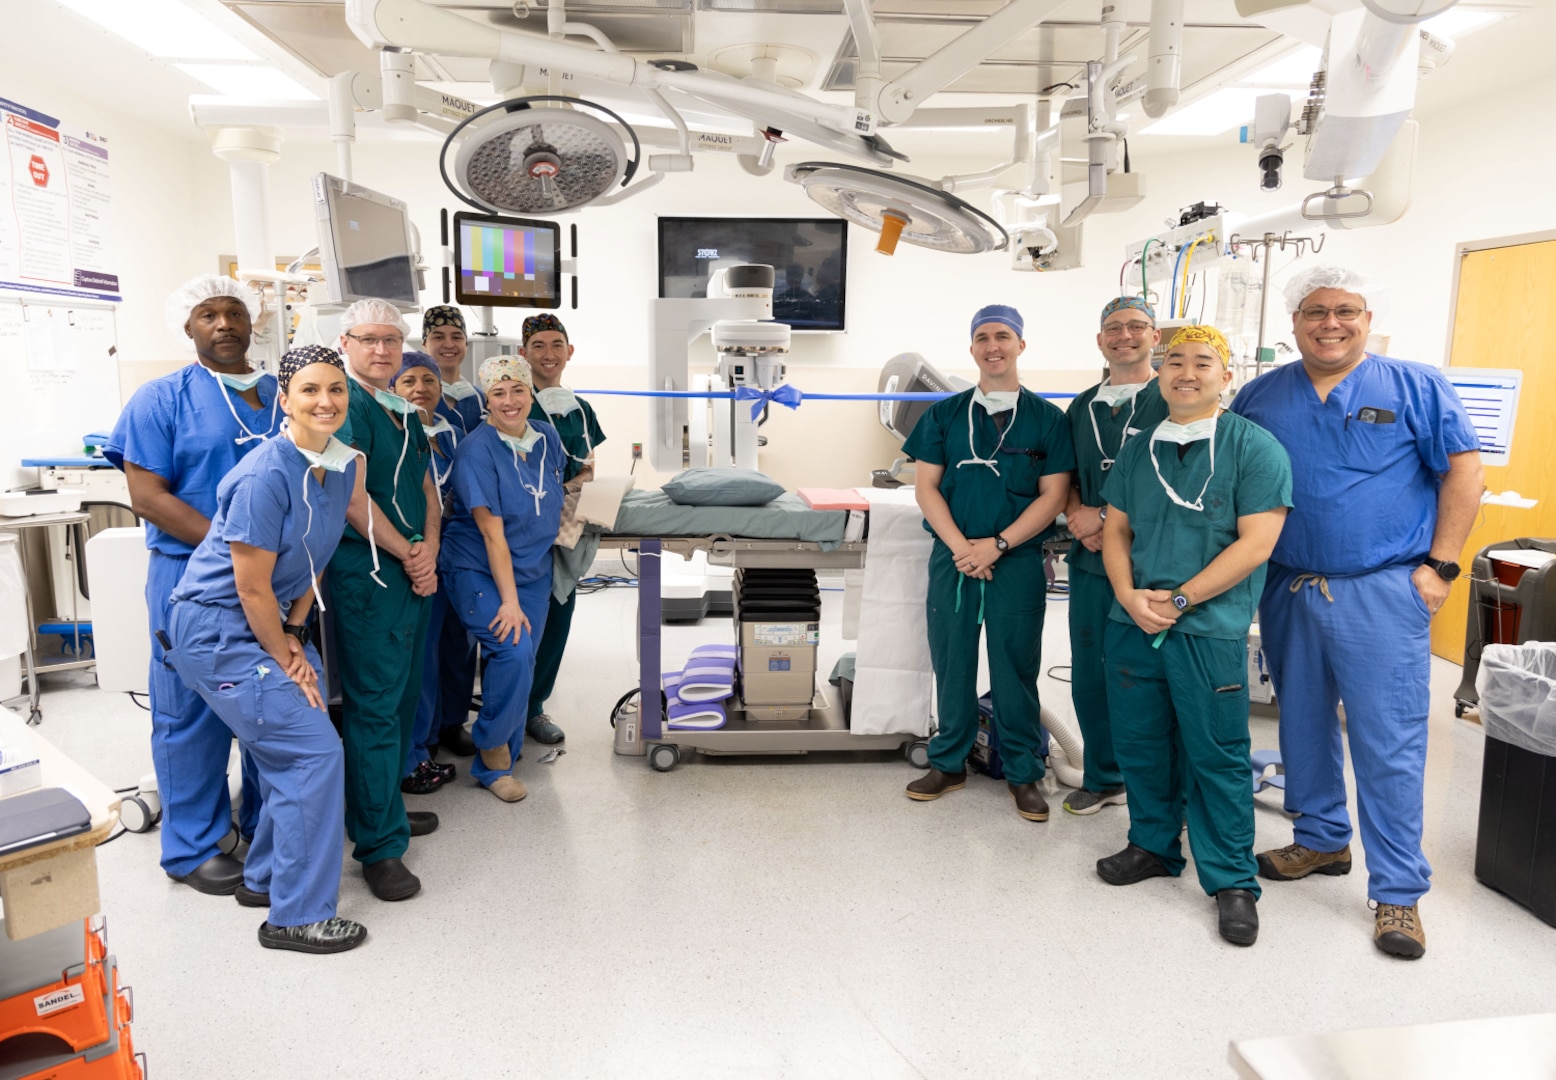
{"x": 809, "y": 257}
{"x": 507, "y": 262}
{"x": 365, "y": 243}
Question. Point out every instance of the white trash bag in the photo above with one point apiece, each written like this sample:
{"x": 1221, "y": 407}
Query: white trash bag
{"x": 1517, "y": 687}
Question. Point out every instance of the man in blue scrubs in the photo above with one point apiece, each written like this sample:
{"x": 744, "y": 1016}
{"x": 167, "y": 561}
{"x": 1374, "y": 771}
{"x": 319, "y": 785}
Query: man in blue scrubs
{"x": 175, "y": 440}
{"x": 1386, "y": 484}
{"x": 993, "y": 472}
{"x": 462, "y": 407}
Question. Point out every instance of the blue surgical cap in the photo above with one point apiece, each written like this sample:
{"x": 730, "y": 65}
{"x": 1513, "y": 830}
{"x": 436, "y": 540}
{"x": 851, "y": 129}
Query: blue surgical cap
{"x": 415, "y": 360}
{"x": 1000, "y": 313}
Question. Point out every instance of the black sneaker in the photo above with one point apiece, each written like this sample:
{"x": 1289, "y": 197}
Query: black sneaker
{"x": 328, "y": 936}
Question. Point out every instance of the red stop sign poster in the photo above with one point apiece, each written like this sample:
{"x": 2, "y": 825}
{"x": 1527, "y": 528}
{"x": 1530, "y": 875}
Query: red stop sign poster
{"x": 39, "y": 170}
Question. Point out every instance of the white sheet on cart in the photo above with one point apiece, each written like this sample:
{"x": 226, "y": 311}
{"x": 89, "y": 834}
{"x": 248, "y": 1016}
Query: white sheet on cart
{"x": 893, "y": 684}
{"x": 13, "y": 599}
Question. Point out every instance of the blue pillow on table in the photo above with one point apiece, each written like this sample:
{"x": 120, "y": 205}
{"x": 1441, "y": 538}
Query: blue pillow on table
{"x": 722, "y": 487}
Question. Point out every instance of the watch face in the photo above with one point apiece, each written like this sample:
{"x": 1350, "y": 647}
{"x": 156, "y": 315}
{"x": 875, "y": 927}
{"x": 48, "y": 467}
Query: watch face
{"x": 1449, "y": 571}
{"x": 1180, "y": 601}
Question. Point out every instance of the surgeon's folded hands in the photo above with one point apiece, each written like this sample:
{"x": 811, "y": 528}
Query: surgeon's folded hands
{"x": 1151, "y": 609}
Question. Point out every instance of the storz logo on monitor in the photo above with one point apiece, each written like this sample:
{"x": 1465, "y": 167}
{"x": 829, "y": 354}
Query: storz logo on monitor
{"x": 707, "y": 253}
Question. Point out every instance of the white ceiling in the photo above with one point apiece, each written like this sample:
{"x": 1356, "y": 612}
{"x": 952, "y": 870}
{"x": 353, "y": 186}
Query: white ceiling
{"x": 309, "y": 40}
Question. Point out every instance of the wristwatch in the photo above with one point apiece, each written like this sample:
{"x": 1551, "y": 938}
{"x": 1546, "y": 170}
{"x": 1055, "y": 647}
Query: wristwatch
{"x": 1102, "y": 512}
{"x": 1182, "y": 602}
{"x": 301, "y": 633}
{"x": 1448, "y": 571}
{"x": 1001, "y": 543}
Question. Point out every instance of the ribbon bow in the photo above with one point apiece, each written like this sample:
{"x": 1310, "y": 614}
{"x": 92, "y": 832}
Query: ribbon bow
{"x": 783, "y": 395}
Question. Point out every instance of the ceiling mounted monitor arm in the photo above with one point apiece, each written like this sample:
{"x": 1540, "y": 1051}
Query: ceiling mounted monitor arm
{"x": 396, "y": 95}
{"x": 902, "y": 95}
{"x": 867, "y": 44}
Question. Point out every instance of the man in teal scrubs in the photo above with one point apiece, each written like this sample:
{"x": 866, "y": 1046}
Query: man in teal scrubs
{"x": 1194, "y": 509}
{"x": 993, "y": 472}
{"x": 381, "y": 608}
{"x": 1102, "y": 420}
{"x": 547, "y": 349}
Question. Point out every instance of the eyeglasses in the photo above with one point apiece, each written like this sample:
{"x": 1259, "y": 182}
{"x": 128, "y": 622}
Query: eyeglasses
{"x": 1115, "y": 329}
{"x": 371, "y": 343}
{"x": 1344, "y": 314}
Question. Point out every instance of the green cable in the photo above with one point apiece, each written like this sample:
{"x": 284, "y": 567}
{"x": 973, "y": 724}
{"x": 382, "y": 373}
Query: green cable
{"x": 1145, "y": 287}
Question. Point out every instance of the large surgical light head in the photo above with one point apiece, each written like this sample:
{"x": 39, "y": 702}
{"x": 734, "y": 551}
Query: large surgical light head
{"x": 899, "y": 209}
{"x": 534, "y": 160}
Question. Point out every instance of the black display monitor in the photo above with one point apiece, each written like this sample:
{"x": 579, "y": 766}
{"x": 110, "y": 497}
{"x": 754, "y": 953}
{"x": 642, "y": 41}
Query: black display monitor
{"x": 809, "y": 257}
{"x": 507, "y": 262}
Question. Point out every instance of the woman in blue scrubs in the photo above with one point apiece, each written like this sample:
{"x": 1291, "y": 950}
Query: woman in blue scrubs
{"x": 419, "y": 383}
{"x": 496, "y": 558}
{"x": 175, "y": 440}
{"x": 240, "y": 640}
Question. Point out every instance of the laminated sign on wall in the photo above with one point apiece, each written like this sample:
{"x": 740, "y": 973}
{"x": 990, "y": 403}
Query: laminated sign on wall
{"x": 54, "y": 208}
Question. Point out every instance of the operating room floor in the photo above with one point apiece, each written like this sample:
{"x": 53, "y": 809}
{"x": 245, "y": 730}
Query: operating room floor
{"x": 782, "y": 917}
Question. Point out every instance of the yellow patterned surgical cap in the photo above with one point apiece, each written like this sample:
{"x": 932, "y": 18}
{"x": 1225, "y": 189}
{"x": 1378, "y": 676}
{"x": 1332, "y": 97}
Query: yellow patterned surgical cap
{"x": 1207, "y": 335}
{"x": 499, "y": 368}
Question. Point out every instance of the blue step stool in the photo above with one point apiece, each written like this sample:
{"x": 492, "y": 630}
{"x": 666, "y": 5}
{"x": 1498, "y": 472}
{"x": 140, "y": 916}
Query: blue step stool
{"x": 1261, "y": 760}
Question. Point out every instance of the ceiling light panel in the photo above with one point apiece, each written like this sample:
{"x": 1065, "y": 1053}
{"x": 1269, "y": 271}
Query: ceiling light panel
{"x": 166, "y": 29}
{"x": 251, "y": 81}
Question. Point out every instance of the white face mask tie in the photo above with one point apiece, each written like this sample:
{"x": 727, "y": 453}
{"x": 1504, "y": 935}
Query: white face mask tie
{"x": 403, "y": 408}
{"x": 1015, "y": 404}
{"x": 1111, "y": 400}
{"x": 1183, "y": 435}
{"x": 335, "y": 456}
{"x": 526, "y": 442}
{"x": 240, "y": 383}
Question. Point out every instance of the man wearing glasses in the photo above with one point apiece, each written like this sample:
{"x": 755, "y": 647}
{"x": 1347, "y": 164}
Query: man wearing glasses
{"x": 1102, "y": 419}
{"x": 380, "y": 606}
{"x": 1386, "y": 483}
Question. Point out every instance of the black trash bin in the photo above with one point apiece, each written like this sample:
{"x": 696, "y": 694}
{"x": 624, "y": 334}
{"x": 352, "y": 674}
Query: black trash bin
{"x": 1515, "y": 846}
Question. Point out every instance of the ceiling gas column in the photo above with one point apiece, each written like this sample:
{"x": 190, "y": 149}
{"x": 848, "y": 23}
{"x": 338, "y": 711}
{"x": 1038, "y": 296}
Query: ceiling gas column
{"x": 248, "y": 152}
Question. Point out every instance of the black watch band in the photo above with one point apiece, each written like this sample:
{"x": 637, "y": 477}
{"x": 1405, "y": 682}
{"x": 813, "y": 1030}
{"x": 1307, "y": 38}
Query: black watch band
{"x": 1445, "y": 568}
{"x": 1001, "y": 543}
{"x": 301, "y": 633}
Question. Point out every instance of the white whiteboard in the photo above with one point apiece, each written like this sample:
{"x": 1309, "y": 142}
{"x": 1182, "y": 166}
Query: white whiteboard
{"x": 59, "y": 380}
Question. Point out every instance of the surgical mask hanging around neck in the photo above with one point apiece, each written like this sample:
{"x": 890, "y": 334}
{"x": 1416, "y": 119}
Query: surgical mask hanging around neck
{"x": 557, "y": 400}
{"x": 241, "y": 384}
{"x": 1113, "y": 395}
{"x": 439, "y": 426}
{"x": 393, "y": 402}
{"x": 996, "y": 401}
{"x": 977, "y": 399}
{"x": 1183, "y": 435}
{"x": 521, "y": 444}
{"x": 459, "y": 390}
{"x": 335, "y": 456}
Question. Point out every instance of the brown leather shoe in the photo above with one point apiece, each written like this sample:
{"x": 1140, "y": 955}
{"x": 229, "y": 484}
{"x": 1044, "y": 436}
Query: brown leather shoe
{"x": 935, "y": 783}
{"x": 1295, "y": 861}
{"x": 1030, "y": 803}
{"x": 1396, "y": 929}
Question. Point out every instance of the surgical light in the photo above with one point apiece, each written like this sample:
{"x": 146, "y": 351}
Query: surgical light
{"x": 533, "y": 160}
{"x": 166, "y": 29}
{"x": 899, "y": 208}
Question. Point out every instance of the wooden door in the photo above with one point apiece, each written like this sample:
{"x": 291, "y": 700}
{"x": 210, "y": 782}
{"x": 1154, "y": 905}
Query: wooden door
{"x": 1505, "y": 317}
